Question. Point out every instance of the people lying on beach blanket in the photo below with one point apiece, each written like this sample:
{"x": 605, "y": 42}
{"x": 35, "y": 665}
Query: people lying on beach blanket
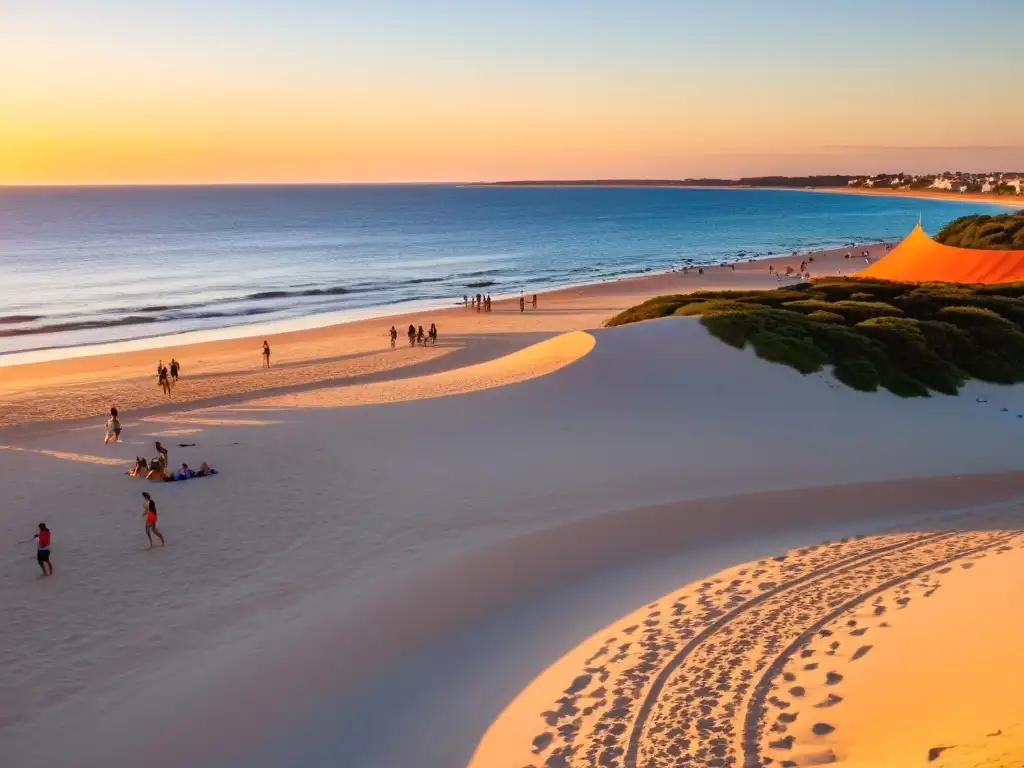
{"x": 155, "y": 469}
{"x": 186, "y": 473}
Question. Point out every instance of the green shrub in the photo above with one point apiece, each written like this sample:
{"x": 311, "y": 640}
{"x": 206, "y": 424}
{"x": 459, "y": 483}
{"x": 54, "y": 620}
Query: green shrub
{"x": 1002, "y": 232}
{"x": 858, "y": 374}
{"x": 908, "y": 338}
{"x": 794, "y": 351}
{"x": 824, "y": 316}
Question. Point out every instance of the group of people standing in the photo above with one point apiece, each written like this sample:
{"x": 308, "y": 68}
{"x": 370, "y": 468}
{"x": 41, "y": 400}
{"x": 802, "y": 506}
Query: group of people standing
{"x": 416, "y": 335}
{"x": 167, "y": 375}
{"x": 480, "y": 302}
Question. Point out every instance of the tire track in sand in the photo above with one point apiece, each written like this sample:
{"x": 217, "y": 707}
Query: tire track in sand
{"x": 655, "y": 691}
{"x": 755, "y": 718}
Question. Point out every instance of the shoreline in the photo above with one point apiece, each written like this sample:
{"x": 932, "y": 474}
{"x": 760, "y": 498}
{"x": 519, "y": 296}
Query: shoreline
{"x": 383, "y": 313}
{"x": 919, "y": 194}
{"x": 924, "y": 194}
{"x": 227, "y": 370}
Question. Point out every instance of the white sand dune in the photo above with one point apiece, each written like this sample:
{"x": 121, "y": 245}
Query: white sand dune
{"x": 790, "y": 660}
{"x": 337, "y": 540}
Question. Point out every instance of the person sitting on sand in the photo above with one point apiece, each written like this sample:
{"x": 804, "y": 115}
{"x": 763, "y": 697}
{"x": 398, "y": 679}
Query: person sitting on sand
{"x": 149, "y": 514}
{"x": 175, "y": 367}
{"x": 42, "y": 539}
{"x": 432, "y": 334}
{"x": 204, "y": 470}
{"x": 394, "y": 336}
{"x": 266, "y": 354}
{"x": 158, "y": 467}
{"x": 141, "y": 468}
{"x": 412, "y": 335}
{"x": 113, "y": 428}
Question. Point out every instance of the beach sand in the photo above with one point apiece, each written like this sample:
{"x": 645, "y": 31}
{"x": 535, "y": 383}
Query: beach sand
{"x": 835, "y": 652}
{"x": 1008, "y": 201}
{"x": 377, "y": 506}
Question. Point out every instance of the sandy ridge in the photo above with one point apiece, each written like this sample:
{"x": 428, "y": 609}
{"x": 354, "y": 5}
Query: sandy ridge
{"x": 717, "y": 673}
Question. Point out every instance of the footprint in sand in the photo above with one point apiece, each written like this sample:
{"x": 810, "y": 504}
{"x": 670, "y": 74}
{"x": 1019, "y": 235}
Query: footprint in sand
{"x": 861, "y": 652}
{"x": 542, "y": 742}
{"x": 822, "y": 729}
{"x": 832, "y": 678}
{"x": 831, "y": 701}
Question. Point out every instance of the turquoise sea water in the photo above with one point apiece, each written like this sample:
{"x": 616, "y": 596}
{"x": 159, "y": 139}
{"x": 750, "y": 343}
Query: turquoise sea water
{"x": 84, "y": 266}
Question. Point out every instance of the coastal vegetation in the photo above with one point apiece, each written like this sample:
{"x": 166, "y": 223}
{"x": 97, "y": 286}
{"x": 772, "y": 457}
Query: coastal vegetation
{"x": 1002, "y": 232}
{"x": 911, "y": 339}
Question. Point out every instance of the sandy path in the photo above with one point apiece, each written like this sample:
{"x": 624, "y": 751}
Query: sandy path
{"x": 748, "y": 666}
{"x": 222, "y": 371}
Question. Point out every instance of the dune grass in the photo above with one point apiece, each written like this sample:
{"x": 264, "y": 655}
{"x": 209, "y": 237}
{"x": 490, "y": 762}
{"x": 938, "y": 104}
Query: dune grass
{"x": 911, "y": 339}
{"x": 1002, "y": 232}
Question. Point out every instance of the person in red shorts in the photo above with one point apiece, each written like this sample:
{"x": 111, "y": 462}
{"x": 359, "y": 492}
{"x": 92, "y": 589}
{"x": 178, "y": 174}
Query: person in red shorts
{"x": 149, "y": 513}
{"x": 42, "y": 540}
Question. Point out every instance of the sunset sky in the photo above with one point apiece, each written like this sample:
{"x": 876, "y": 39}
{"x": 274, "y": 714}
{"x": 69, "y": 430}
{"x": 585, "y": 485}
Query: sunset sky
{"x": 109, "y": 91}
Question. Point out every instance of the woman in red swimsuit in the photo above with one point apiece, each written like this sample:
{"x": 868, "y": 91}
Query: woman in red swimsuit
{"x": 149, "y": 513}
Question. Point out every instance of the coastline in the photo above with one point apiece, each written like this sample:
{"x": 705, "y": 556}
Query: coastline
{"x": 222, "y": 371}
{"x": 920, "y": 194}
{"x": 924, "y": 194}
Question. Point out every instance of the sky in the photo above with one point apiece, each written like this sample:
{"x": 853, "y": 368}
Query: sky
{"x": 195, "y": 91}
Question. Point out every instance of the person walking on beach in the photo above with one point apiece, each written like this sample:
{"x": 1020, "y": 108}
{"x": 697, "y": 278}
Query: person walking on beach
{"x": 487, "y": 303}
{"x": 432, "y": 334}
{"x": 150, "y": 516}
{"x": 394, "y": 336}
{"x": 266, "y": 354}
{"x": 163, "y": 381}
{"x": 535, "y": 301}
{"x": 420, "y": 336}
{"x": 113, "y": 428}
{"x": 522, "y": 303}
{"x": 465, "y": 301}
{"x": 42, "y": 540}
{"x": 175, "y": 367}
{"x": 412, "y": 335}
{"x": 479, "y": 302}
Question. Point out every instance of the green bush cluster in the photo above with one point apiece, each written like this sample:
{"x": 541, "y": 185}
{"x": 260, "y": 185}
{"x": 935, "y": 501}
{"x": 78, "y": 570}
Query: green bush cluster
{"x": 908, "y": 338}
{"x": 1000, "y": 233}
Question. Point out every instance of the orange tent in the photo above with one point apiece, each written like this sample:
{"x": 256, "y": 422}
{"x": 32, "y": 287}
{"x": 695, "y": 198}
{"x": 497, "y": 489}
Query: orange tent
{"x": 920, "y": 259}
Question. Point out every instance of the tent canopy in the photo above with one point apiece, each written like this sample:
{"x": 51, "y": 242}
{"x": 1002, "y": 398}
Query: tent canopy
{"x": 920, "y": 259}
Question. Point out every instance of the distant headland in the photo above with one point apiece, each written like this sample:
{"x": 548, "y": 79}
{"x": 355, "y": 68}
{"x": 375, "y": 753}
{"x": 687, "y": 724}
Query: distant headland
{"x": 1000, "y": 187}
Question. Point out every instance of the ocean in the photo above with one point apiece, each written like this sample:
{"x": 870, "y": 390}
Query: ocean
{"x": 91, "y": 266}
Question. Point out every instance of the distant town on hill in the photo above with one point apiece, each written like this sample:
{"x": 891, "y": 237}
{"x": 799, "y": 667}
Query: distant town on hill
{"x": 996, "y": 183}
